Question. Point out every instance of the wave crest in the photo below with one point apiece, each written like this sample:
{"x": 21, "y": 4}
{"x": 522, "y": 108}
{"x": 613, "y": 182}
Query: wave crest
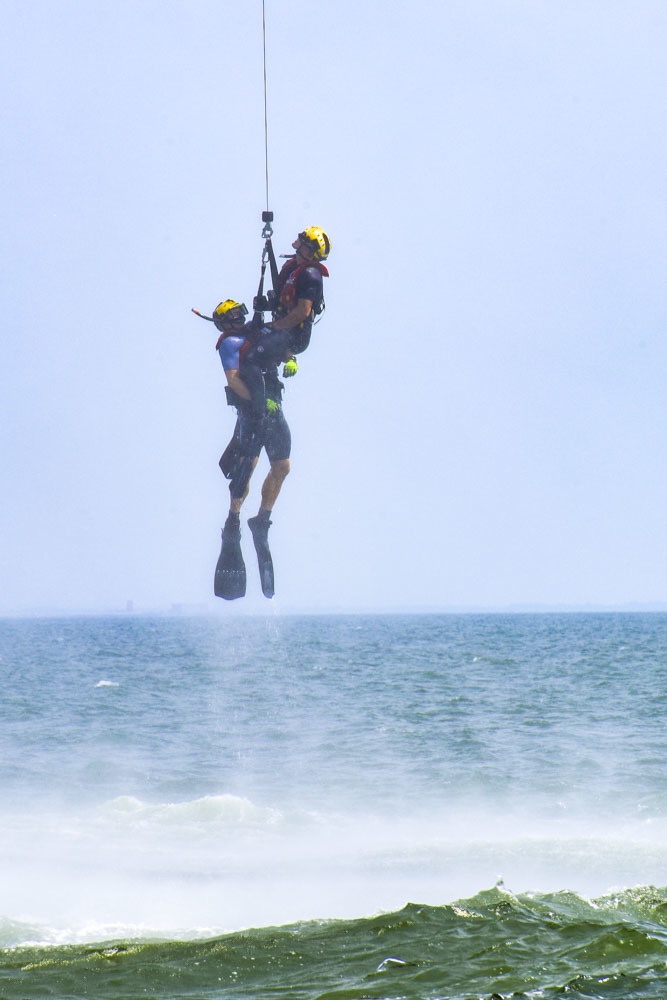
{"x": 225, "y": 810}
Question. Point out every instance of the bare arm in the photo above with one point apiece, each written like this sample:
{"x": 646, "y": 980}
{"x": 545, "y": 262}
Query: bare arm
{"x": 301, "y": 311}
{"x": 235, "y": 382}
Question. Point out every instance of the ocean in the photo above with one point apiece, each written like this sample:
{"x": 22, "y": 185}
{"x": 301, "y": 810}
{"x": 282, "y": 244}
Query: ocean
{"x": 334, "y": 807}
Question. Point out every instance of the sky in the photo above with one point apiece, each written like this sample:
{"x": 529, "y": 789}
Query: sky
{"x": 479, "y": 422}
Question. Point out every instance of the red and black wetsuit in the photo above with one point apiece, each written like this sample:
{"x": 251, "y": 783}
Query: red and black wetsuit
{"x": 296, "y": 281}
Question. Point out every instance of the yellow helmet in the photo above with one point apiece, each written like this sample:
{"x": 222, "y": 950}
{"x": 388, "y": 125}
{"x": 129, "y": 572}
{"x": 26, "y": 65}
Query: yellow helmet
{"x": 318, "y": 241}
{"x": 228, "y": 314}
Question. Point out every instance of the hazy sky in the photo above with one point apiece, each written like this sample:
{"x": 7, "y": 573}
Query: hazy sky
{"x": 480, "y": 419}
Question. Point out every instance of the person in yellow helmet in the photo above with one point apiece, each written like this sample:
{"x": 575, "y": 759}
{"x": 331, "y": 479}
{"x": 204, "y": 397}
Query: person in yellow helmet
{"x": 260, "y": 424}
{"x": 298, "y": 299}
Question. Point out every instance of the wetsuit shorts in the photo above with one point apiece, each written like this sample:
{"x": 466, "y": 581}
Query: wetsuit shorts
{"x": 275, "y": 436}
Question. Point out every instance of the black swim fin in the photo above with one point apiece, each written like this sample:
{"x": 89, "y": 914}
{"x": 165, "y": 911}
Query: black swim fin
{"x": 260, "y": 536}
{"x": 230, "y": 575}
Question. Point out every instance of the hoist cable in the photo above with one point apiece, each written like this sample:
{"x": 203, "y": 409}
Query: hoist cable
{"x": 266, "y": 117}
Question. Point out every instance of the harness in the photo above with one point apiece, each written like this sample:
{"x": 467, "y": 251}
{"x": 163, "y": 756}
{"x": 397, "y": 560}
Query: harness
{"x": 287, "y": 281}
{"x": 281, "y": 299}
{"x": 249, "y": 334}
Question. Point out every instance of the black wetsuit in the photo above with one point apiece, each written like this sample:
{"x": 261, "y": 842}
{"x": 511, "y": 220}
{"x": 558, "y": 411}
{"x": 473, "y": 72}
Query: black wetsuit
{"x": 276, "y": 435}
{"x": 256, "y": 427}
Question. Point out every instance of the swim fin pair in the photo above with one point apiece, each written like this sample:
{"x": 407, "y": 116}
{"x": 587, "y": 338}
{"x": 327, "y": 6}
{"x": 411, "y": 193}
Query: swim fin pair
{"x": 230, "y": 572}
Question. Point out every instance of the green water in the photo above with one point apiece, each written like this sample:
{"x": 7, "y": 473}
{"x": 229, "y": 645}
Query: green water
{"x": 493, "y": 945}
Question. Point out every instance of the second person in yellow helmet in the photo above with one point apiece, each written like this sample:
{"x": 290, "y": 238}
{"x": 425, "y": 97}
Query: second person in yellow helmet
{"x": 300, "y": 288}
{"x": 297, "y": 300}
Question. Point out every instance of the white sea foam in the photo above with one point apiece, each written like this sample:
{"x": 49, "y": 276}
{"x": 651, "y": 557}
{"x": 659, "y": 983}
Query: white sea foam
{"x": 224, "y": 810}
{"x": 218, "y": 863}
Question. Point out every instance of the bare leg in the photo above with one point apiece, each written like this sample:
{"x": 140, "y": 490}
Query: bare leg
{"x": 236, "y": 503}
{"x": 273, "y": 483}
{"x": 260, "y": 524}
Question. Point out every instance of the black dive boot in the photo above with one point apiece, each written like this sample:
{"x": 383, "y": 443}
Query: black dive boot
{"x": 230, "y": 576}
{"x": 260, "y": 536}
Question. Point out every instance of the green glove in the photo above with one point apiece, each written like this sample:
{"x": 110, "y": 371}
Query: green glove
{"x": 272, "y": 406}
{"x": 290, "y": 368}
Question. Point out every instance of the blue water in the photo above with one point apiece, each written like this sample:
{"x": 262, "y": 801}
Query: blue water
{"x": 344, "y": 806}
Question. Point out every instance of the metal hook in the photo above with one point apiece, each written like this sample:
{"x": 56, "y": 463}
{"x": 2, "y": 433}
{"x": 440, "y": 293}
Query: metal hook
{"x": 267, "y": 219}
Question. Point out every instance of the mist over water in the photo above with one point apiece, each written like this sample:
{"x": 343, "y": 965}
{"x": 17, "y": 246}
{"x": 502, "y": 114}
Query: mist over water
{"x": 189, "y": 777}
